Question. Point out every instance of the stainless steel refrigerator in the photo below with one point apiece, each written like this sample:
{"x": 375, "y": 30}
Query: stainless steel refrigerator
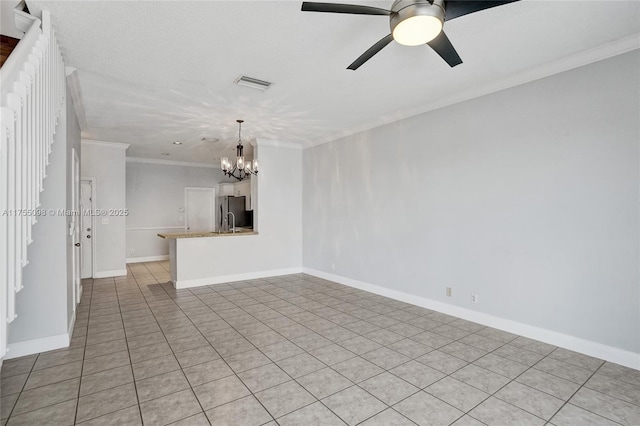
{"x": 234, "y": 205}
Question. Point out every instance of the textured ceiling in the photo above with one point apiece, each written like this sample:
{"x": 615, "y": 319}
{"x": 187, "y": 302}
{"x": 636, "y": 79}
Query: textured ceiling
{"x": 152, "y": 72}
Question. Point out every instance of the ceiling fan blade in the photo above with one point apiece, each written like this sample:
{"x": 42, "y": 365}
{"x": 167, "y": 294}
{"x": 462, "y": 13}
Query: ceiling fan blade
{"x": 445, "y": 49}
{"x": 456, "y": 8}
{"x": 370, "y": 52}
{"x": 353, "y": 9}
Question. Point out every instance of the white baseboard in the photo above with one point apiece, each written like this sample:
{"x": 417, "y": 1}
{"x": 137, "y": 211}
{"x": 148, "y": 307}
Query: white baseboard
{"x": 180, "y": 284}
{"x": 44, "y": 344}
{"x": 148, "y": 258}
{"x": 577, "y": 344}
{"x": 109, "y": 274}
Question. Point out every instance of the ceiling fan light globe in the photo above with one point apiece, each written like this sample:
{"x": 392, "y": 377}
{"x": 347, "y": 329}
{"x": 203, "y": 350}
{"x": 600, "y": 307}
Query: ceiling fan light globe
{"x": 416, "y": 22}
{"x": 417, "y": 30}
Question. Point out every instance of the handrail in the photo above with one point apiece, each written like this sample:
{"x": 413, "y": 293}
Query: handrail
{"x": 20, "y": 54}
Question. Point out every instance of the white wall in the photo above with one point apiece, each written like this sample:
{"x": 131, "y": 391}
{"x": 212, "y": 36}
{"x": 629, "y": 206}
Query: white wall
{"x": 277, "y": 249}
{"x": 42, "y": 305}
{"x": 155, "y": 194}
{"x": 105, "y": 161}
{"x": 528, "y": 197}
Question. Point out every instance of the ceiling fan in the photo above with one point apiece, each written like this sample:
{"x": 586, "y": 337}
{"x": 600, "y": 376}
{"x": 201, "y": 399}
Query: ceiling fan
{"x": 413, "y": 22}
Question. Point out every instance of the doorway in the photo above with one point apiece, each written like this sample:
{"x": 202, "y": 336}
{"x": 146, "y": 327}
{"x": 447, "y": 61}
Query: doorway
{"x": 86, "y": 234}
{"x": 199, "y": 209}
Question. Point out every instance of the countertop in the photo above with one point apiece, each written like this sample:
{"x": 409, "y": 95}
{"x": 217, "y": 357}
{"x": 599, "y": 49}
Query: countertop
{"x": 176, "y": 235}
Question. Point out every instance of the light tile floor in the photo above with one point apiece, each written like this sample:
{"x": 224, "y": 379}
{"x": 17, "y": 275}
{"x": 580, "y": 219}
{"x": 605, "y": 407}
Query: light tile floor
{"x": 298, "y": 350}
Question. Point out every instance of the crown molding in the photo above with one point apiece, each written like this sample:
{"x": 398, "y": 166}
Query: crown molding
{"x": 73, "y": 83}
{"x": 171, "y": 163}
{"x": 278, "y": 144}
{"x": 119, "y": 145}
{"x": 605, "y": 51}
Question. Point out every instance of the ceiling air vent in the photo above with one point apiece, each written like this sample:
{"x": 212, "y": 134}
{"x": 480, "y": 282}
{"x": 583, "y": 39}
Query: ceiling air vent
{"x": 254, "y": 83}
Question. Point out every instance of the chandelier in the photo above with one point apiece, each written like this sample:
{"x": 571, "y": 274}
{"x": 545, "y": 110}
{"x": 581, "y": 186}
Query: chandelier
{"x": 241, "y": 169}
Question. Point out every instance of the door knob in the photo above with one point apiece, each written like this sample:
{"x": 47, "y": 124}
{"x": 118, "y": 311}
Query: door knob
{"x": 77, "y": 244}
{"x": 88, "y": 229}
{"x": 88, "y": 236}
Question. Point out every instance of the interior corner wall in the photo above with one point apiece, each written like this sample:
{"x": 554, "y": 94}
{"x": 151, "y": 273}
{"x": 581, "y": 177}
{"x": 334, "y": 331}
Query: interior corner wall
{"x": 155, "y": 195}
{"x": 278, "y": 208}
{"x": 73, "y": 142}
{"x": 107, "y": 164}
{"x": 42, "y": 303}
{"x": 528, "y": 197}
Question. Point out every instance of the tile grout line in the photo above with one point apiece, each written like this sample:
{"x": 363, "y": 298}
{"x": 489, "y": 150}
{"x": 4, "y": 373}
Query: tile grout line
{"x": 84, "y": 350}
{"x": 126, "y": 342}
{"x": 22, "y": 388}
{"x": 174, "y": 356}
{"x": 355, "y": 355}
{"x": 578, "y": 390}
{"x": 292, "y": 379}
{"x": 310, "y": 354}
{"x": 422, "y": 389}
{"x": 41, "y": 386}
{"x": 178, "y": 362}
{"x": 326, "y": 299}
{"x": 333, "y": 342}
{"x": 114, "y": 283}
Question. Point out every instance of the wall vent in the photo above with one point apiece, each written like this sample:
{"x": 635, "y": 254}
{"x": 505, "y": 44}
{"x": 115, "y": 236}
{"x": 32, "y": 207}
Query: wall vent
{"x": 254, "y": 83}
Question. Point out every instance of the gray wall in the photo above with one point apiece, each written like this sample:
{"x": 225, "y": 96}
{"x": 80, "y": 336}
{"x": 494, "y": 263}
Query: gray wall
{"x": 42, "y": 305}
{"x": 73, "y": 141}
{"x": 155, "y": 193}
{"x": 528, "y": 197}
{"x": 106, "y": 163}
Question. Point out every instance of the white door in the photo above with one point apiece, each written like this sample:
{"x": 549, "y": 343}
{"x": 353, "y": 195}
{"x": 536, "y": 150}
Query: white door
{"x": 86, "y": 231}
{"x": 75, "y": 226}
{"x": 199, "y": 209}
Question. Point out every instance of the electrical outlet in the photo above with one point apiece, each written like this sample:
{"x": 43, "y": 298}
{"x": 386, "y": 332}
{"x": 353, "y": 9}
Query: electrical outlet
{"x": 132, "y": 251}
{"x": 474, "y": 298}
{"x": 448, "y": 291}
{"x": 105, "y": 221}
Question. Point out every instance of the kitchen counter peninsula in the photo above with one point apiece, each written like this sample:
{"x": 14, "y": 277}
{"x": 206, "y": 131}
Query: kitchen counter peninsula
{"x": 176, "y": 235}
{"x": 204, "y": 258}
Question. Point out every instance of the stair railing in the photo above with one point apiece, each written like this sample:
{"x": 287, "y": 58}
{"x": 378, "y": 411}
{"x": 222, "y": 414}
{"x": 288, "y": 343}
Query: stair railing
{"x": 32, "y": 95}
